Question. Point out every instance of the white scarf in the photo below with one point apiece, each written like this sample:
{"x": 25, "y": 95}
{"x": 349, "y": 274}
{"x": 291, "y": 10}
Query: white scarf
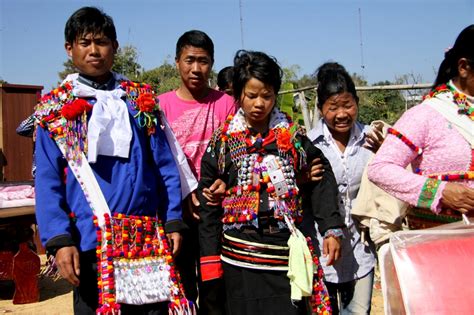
{"x": 444, "y": 104}
{"x": 109, "y": 132}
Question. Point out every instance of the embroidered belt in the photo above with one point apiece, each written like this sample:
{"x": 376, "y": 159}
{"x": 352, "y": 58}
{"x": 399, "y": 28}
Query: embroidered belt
{"x": 254, "y": 255}
{"x": 421, "y": 218}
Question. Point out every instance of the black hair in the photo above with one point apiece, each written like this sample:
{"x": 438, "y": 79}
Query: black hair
{"x": 333, "y": 79}
{"x": 258, "y": 65}
{"x": 197, "y": 39}
{"x": 89, "y": 20}
{"x": 224, "y": 78}
{"x": 463, "y": 48}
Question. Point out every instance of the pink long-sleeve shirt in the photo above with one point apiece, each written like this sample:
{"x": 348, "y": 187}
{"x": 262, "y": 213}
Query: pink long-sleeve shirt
{"x": 444, "y": 150}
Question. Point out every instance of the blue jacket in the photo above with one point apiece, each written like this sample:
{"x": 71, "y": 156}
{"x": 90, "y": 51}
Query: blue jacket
{"x": 145, "y": 183}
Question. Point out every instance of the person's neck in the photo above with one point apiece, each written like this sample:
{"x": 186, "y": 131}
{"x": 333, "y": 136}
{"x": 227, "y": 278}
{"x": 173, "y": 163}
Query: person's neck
{"x": 185, "y": 94}
{"x": 462, "y": 86}
{"x": 102, "y": 79}
{"x": 341, "y": 139}
{"x": 261, "y": 127}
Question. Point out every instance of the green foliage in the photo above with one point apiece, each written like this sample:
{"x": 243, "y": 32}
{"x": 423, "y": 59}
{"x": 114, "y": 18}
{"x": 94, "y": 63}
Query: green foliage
{"x": 286, "y": 100}
{"x": 290, "y": 74}
{"x": 126, "y": 62}
{"x": 287, "y": 104}
{"x": 3, "y": 81}
{"x": 163, "y": 79}
{"x": 387, "y": 105}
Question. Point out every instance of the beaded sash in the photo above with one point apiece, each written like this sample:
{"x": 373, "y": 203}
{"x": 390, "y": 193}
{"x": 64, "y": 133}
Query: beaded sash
{"x": 133, "y": 259}
{"x": 134, "y": 263}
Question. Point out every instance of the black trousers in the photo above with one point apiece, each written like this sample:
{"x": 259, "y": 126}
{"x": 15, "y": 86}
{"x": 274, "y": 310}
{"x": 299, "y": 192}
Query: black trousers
{"x": 86, "y": 295}
{"x": 187, "y": 261}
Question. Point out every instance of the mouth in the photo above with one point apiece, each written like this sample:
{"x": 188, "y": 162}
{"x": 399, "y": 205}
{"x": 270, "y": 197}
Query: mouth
{"x": 342, "y": 124}
{"x": 258, "y": 114}
{"x": 95, "y": 62}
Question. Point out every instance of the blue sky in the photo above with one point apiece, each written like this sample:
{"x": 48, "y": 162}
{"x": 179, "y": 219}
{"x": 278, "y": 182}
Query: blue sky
{"x": 398, "y": 37}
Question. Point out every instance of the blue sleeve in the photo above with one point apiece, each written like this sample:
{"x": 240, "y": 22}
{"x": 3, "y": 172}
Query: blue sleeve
{"x": 168, "y": 177}
{"x": 50, "y": 191}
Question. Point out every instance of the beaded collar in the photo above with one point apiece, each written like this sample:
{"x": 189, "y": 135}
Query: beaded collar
{"x": 65, "y": 115}
{"x": 465, "y": 107}
{"x": 236, "y": 135}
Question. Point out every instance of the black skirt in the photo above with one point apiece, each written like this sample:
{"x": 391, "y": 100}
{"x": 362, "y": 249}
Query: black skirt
{"x": 260, "y": 292}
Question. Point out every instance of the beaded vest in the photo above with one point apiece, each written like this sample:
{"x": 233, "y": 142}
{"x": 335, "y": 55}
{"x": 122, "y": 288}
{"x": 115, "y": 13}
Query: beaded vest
{"x": 257, "y": 169}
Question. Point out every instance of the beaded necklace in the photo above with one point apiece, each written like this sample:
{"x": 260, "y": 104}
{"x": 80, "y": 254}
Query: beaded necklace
{"x": 460, "y": 99}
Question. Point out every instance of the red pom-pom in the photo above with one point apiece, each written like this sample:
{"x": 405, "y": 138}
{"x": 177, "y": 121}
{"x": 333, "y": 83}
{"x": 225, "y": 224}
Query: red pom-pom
{"x": 72, "y": 110}
{"x": 146, "y": 102}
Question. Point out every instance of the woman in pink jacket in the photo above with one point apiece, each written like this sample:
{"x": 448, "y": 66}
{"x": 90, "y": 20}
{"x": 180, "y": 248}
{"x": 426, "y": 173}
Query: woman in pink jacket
{"x": 437, "y": 138}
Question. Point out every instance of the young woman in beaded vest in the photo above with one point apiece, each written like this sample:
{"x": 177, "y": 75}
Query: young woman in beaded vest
{"x": 251, "y": 250}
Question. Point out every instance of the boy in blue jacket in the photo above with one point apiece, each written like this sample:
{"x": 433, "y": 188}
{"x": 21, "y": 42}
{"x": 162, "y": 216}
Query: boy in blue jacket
{"x": 127, "y": 152}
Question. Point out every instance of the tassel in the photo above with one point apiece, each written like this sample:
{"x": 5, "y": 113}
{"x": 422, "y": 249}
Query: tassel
{"x": 50, "y": 269}
{"x": 221, "y": 158}
{"x": 182, "y": 307}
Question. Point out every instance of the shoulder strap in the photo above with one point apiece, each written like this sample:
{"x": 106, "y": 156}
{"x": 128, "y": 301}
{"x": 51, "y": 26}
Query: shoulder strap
{"x": 86, "y": 178}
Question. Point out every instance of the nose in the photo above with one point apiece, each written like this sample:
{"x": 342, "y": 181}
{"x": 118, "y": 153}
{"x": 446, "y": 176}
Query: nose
{"x": 195, "y": 67}
{"x": 341, "y": 112}
{"x": 94, "y": 49}
{"x": 259, "y": 103}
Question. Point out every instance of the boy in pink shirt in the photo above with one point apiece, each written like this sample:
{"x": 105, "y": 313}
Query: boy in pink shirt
{"x": 193, "y": 121}
{"x": 194, "y": 111}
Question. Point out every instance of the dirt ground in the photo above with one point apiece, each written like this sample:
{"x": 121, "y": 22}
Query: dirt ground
{"x": 56, "y": 298}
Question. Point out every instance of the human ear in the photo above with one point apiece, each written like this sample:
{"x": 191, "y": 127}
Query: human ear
{"x": 463, "y": 68}
{"x": 176, "y": 62}
{"x": 115, "y": 45}
{"x": 68, "y": 47}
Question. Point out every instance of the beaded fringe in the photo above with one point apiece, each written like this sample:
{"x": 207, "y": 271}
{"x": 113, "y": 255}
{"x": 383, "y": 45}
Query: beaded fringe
{"x": 50, "y": 269}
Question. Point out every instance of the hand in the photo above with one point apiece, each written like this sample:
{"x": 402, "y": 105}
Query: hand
{"x": 458, "y": 197}
{"x": 67, "y": 260}
{"x": 332, "y": 248}
{"x": 314, "y": 174}
{"x": 191, "y": 206}
{"x": 373, "y": 140}
{"x": 317, "y": 170}
{"x": 215, "y": 193}
{"x": 174, "y": 240}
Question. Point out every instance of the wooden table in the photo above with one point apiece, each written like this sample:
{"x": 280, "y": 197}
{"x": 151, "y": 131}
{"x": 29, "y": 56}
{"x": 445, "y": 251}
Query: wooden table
{"x": 18, "y": 262}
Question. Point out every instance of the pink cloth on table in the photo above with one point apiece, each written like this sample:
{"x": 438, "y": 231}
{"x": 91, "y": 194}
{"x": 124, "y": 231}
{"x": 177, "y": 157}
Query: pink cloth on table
{"x": 17, "y": 192}
{"x": 436, "y": 274}
{"x": 194, "y": 122}
{"x": 444, "y": 150}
